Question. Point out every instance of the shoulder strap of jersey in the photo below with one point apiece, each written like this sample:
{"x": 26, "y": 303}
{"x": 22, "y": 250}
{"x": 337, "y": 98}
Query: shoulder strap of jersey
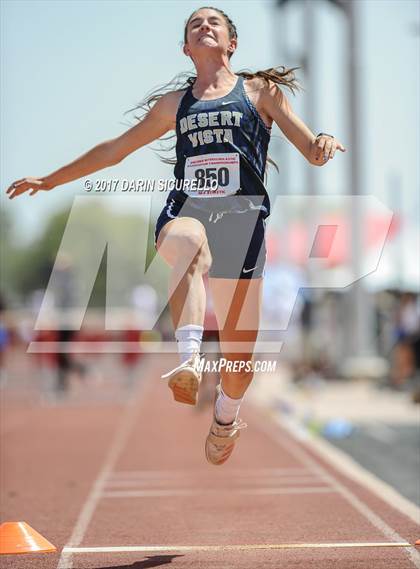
{"x": 186, "y": 100}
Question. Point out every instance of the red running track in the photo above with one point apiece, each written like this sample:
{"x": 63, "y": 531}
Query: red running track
{"x": 134, "y": 474}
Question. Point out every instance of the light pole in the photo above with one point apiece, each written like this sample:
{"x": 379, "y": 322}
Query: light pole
{"x": 360, "y": 332}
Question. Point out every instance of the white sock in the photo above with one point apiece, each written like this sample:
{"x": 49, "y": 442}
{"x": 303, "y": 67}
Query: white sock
{"x": 189, "y": 340}
{"x": 226, "y": 408}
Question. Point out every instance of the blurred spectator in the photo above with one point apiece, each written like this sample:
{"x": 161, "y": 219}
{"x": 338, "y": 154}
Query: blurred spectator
{"x": 405, "y": 357}
{"x": 4, "y": 340}
{"x": 64, "y": 293}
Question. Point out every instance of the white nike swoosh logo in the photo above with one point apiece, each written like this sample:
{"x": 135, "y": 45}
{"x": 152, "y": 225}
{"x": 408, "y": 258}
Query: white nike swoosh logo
{"x": 227, "y": 102}
{"x": 249, "y": 270}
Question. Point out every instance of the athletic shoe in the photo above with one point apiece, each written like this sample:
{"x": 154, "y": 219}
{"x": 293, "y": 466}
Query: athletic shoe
{"x": 221, "y": 440}
{"x": 185, "y": 379}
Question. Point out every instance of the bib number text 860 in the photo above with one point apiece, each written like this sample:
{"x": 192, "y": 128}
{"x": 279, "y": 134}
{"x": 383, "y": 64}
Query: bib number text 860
{"x": 219, "y": 174}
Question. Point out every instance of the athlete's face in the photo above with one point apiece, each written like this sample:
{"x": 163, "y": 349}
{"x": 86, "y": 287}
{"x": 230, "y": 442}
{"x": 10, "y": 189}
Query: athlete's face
{"x": 208, "y": 32}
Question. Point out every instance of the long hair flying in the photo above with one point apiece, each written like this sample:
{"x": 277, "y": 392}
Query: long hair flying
{"x": 279, "y": 75}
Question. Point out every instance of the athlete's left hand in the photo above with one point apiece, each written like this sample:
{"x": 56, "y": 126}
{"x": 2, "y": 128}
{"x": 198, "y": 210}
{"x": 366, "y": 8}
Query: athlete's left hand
{"x": 325, "y": 147}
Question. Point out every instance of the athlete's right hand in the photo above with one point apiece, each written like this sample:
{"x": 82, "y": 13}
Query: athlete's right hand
{"x": 32, "y": 185}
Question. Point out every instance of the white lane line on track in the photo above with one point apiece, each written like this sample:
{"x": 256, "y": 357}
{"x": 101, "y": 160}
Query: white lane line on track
{"x": 153, "y": 548}
{"x": 215, "y": 491}
{"x": 129, "y": 416}
{"x": 170, "y": 474}
{"x": 306, "y": 459}
{"x": 153, "y": 484}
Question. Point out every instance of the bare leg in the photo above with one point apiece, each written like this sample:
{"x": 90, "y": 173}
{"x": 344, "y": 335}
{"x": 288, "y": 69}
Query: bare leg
{"x": 183, "y": 244}
{"x": 237, "y": 304}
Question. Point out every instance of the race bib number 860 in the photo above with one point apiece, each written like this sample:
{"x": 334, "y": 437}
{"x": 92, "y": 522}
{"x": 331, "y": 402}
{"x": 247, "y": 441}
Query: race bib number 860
{"x": 214, "y": 175}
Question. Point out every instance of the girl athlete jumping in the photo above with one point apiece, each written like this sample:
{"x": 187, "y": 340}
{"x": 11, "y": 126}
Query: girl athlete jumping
{"x": 215, "y": 221}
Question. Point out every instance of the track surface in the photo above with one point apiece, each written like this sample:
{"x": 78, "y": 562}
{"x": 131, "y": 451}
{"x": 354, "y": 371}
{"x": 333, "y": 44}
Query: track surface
{"x": 133, "y": 473}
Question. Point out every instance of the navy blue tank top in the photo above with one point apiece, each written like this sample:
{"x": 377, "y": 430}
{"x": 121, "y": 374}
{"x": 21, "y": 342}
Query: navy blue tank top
{"x": 222, "y": 139}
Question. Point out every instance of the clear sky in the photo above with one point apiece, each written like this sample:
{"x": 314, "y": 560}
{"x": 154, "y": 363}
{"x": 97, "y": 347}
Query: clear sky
{"x": 71, "y": 68}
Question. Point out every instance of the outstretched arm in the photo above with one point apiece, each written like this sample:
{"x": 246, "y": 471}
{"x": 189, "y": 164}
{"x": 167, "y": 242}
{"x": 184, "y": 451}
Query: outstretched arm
{"x": 159, "y": 120}
{"x": 317, "y": 150}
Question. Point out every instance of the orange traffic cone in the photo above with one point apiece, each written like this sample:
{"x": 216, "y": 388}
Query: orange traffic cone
{"x": 417, "y": 542}
{"x": 19, "y": 537}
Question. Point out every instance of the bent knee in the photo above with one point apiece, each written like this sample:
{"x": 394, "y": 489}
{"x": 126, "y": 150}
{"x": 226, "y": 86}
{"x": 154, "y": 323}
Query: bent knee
{"x": 185, "y": 243}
